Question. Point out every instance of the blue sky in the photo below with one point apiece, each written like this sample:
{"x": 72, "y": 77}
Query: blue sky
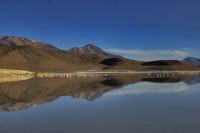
{"x": 137, "y": 29}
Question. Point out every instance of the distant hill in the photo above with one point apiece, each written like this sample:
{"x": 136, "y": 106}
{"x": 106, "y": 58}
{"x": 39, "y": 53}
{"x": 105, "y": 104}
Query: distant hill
{"x": 162, "y": 63}
{"x": 169, "y": 65}
{"x": 192, "y": 61}
{"x": 20, "y": 41}
{"x": 91, "y": 49}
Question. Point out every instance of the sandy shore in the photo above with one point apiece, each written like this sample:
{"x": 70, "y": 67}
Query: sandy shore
{"x": 4, "y": 72}
{"x": 8, "y": 75}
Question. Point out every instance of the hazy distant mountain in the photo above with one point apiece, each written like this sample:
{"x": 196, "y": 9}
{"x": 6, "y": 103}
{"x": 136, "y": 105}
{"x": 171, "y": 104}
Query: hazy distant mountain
{"x": 91, "y": 49}
{"x": 20, "y": 41}
{"x": 192, "y": 61}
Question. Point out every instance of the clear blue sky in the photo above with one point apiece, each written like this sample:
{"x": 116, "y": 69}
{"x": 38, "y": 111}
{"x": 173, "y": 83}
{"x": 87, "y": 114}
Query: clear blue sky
{"x": 133, "y": 28}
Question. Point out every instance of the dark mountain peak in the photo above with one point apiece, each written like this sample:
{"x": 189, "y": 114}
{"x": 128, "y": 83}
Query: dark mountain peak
{"x": 192, "y": 61}
{"x": 91, "y": 49}
{"x": 191, "y": 58}
{"x": 21, "y": 41}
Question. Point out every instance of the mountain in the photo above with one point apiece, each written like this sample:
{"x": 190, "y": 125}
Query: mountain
{"x": 20, "y": 41}
{"x": 24, "y": 54}
{"x": 35, "y": 59}
{"x": 91, "y": 49}
{"x": 28, "y": 58}
{"x": 192, "y": 61}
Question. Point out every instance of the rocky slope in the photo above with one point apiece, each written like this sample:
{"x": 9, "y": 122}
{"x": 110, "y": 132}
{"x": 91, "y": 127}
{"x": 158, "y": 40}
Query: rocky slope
{"x": 36, "y": 59}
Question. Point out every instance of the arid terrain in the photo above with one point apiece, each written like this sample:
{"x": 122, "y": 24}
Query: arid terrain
{"x": 24, "y": 54}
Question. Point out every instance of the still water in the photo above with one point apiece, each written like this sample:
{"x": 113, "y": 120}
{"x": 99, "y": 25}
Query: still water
{"x": 112, "y": 104}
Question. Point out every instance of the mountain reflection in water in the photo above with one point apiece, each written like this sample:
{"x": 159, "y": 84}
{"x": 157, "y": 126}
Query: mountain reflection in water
{"x": 20, "y": 95}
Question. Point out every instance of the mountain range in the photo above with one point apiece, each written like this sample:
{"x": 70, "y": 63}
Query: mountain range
{"x": 22, "y": 53}
{"x": 20, "y": 41}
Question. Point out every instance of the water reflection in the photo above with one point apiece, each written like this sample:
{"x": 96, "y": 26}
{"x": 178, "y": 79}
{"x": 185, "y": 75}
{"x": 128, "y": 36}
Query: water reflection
{"x": 20, "y": 95}
{"x": 146, "y": 88}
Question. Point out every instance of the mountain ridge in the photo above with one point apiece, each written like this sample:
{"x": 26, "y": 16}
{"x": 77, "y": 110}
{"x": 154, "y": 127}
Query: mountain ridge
{"x": 21, "y": 41}
{"x": 192, "y": 61}
{"x": 91, "y": 49}
{"x": 42, "y": 57}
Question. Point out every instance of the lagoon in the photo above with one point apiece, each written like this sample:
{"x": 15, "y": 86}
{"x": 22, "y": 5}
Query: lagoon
{"x": 112, "y": 103}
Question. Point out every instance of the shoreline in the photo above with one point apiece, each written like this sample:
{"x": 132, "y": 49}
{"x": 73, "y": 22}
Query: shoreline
{"x": 25, "y": 72}
{"x": 9, "y": 75}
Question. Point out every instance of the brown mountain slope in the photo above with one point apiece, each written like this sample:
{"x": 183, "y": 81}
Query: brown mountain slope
{"x": 28, "y": 58}
{"x": 20, "y": 41}
{"x": 71, "y": 57}
{"x": 35, "y": 59}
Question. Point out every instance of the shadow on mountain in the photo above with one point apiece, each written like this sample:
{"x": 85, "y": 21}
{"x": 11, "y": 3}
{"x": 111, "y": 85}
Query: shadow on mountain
{"x": 161, "y": 63}
{"x": 162, "y": 80}
{"x": 111, "y": 61}
{"x": 20, "y": 95}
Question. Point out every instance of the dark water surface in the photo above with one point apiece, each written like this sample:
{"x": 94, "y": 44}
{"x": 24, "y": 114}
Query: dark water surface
{"x": 113, "y": 104}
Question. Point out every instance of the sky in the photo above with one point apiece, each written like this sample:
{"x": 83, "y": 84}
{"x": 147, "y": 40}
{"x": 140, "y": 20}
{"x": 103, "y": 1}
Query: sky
{"x": 136, "y": 29}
